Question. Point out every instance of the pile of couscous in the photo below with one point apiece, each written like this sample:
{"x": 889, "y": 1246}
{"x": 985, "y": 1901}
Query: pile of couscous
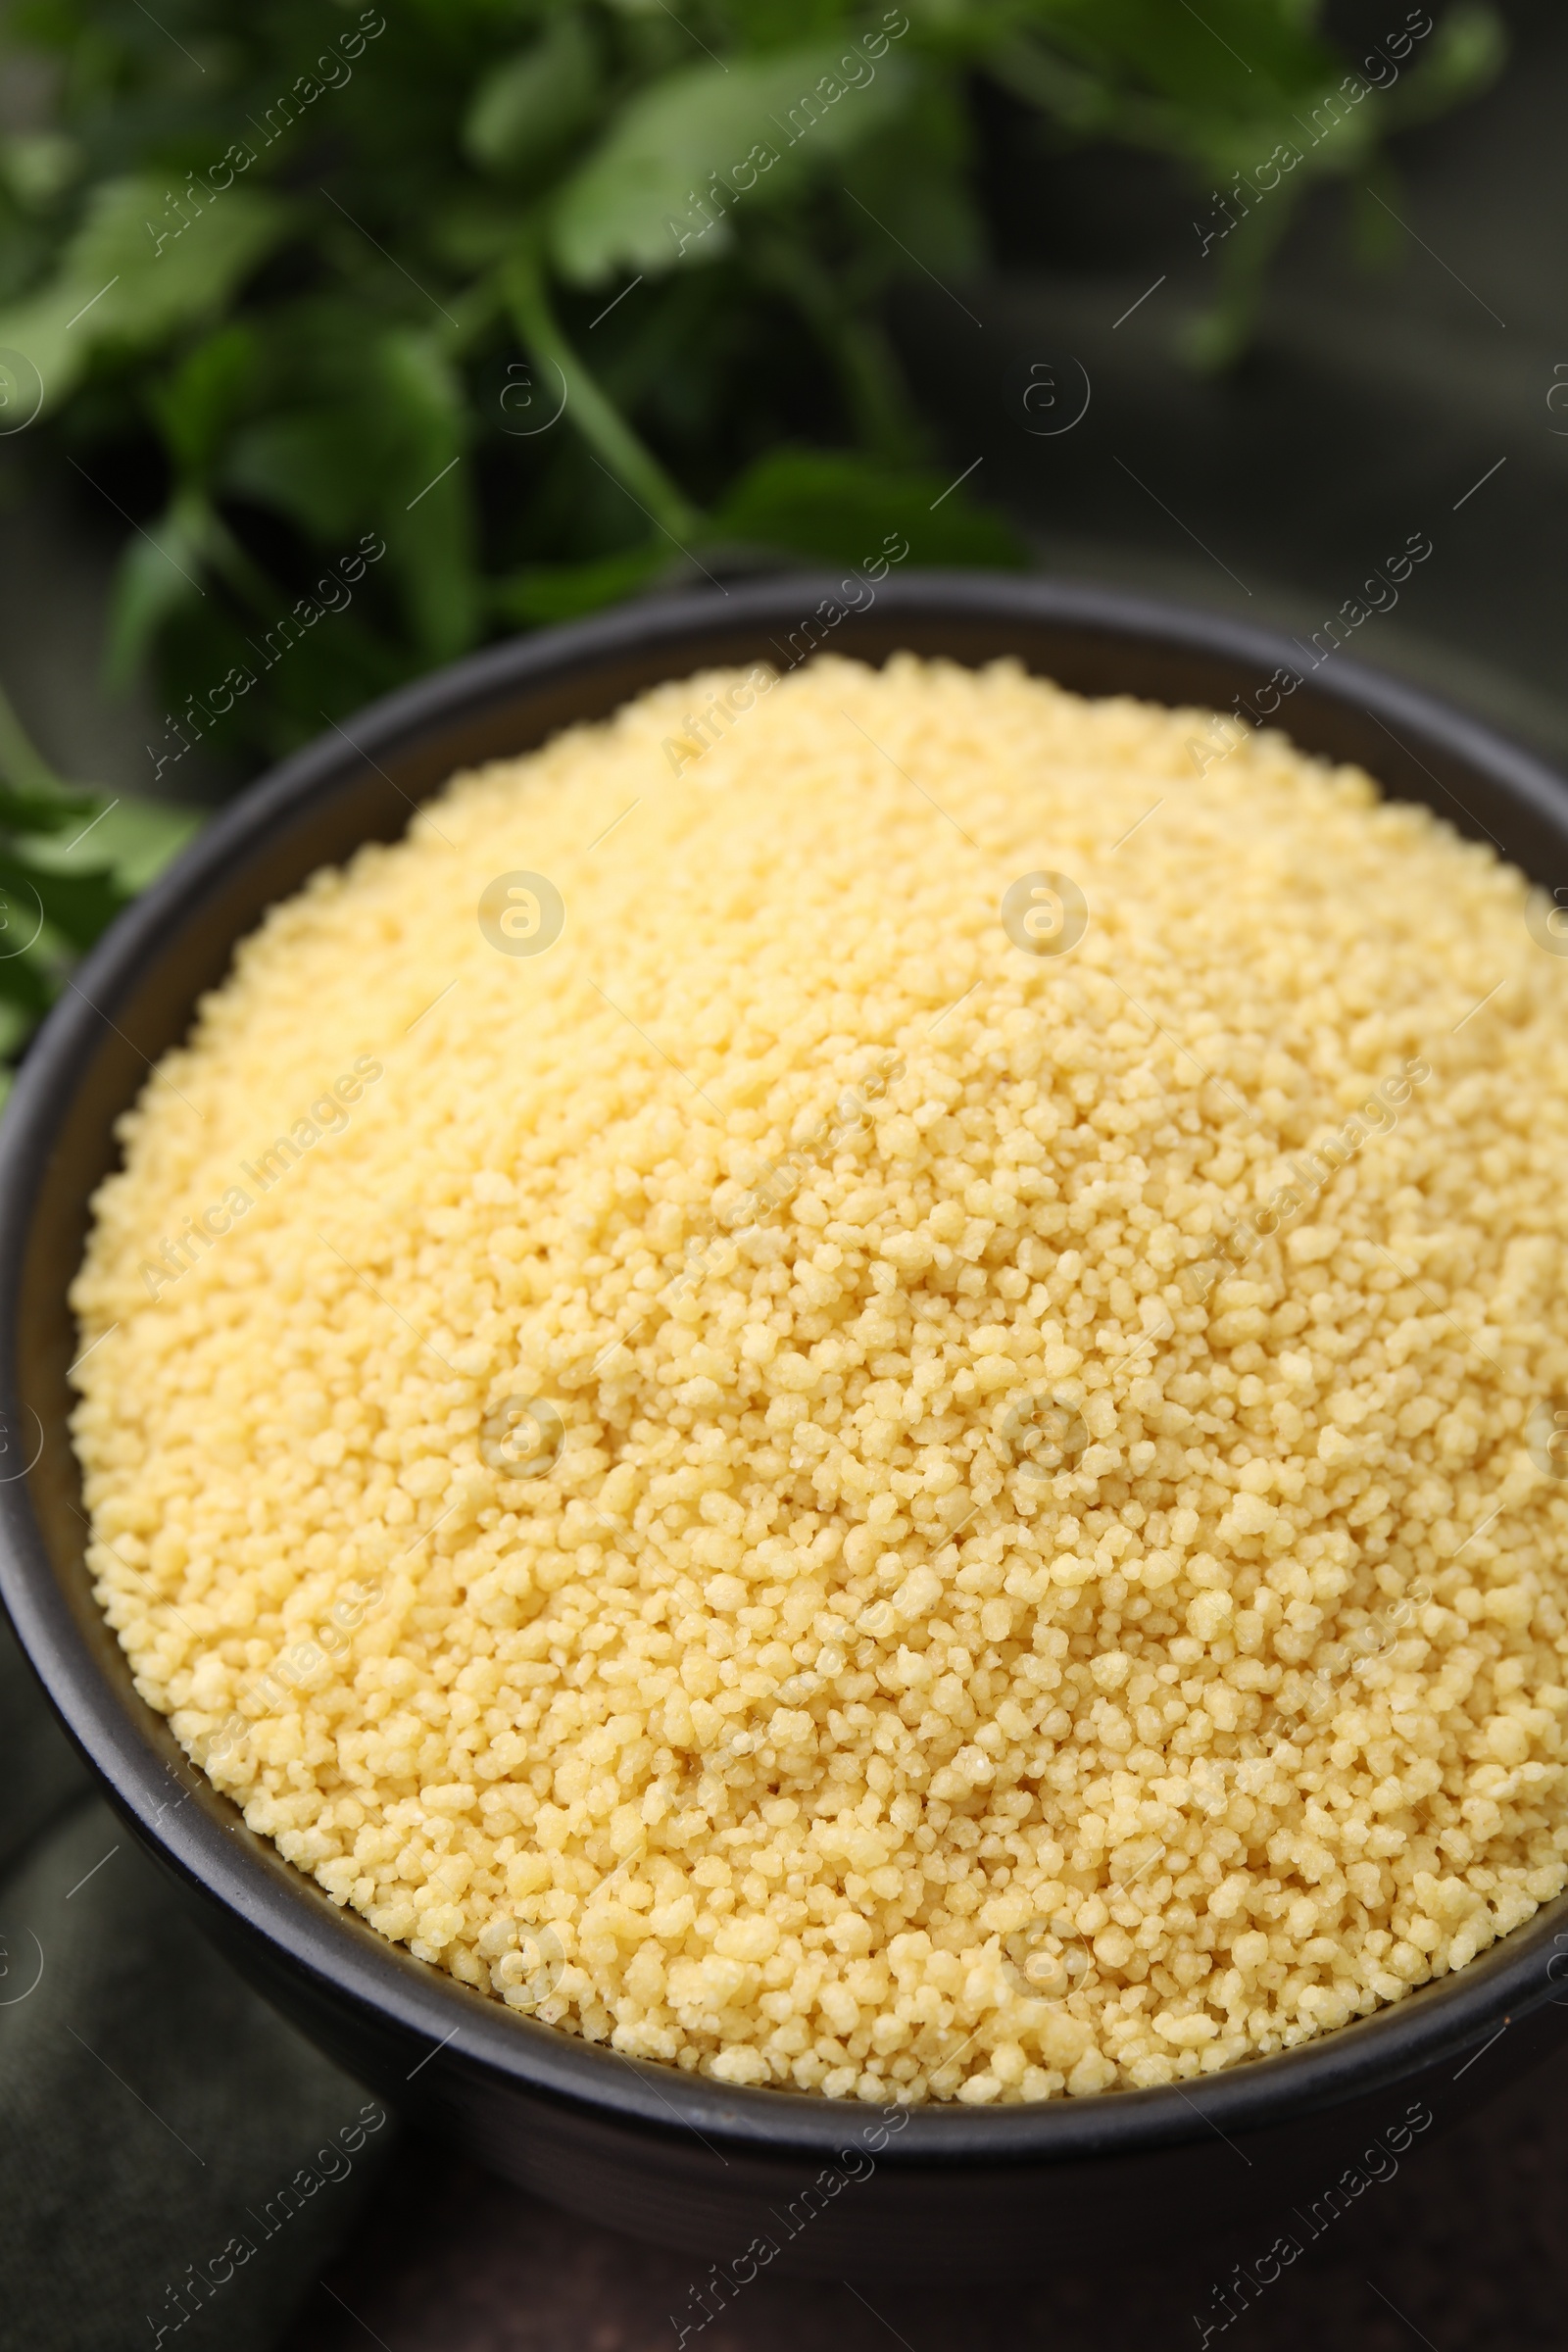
{"x": 853, "y": 1381}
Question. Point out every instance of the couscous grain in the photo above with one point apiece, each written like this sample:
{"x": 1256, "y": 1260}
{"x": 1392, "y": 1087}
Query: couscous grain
{"x": 807, "y": 1487}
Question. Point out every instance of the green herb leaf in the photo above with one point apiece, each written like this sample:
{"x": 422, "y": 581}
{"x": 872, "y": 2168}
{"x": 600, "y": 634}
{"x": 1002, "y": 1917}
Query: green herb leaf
{"x": 135, "y": 839}
{"x": 43, "y": 812}
{"x": 549, "y": 592}
{"x": 708, "y": 140}
{"x": 380, "y": 447}
{"x": 527, "y": 110}
{"x": 132, "y": 276}
{"x": 79, "y": 905}
{"x": 199, "y": 403}
{"x": 848, "y": 510}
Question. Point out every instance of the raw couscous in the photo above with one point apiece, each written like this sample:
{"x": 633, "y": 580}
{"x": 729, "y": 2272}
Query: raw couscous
{"x": 853, "y": 1381}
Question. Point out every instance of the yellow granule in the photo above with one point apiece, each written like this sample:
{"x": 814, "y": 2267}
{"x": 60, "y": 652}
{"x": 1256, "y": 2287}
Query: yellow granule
{"x": 1055, "y": 1585}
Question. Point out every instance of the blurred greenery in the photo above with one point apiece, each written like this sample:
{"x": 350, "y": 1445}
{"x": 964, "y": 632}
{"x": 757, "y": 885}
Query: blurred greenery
{"x": 58, "y": 894}
{"x": 551, "y": 303}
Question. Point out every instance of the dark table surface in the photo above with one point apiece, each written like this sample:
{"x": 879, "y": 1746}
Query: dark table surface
{"x": 1463, "y": 2249}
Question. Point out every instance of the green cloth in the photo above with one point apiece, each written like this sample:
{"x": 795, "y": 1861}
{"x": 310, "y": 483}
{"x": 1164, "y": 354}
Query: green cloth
{"x": 152, "y": 2108}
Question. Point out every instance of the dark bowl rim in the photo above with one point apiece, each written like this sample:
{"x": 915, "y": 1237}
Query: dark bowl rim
{"x": 206, "y": 1844}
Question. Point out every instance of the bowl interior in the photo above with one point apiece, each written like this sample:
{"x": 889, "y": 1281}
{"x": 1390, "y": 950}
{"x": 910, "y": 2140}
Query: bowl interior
{"x": 136, "y": 996}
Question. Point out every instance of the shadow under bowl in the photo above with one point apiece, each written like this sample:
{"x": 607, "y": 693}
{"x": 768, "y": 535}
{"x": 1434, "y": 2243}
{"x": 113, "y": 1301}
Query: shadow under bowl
{"x": 830, "y": 2186}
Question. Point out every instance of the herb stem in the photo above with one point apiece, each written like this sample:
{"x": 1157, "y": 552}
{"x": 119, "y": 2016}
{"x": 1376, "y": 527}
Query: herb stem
{"x": 596, "y": 416}
{"x": 872, "y": 382}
